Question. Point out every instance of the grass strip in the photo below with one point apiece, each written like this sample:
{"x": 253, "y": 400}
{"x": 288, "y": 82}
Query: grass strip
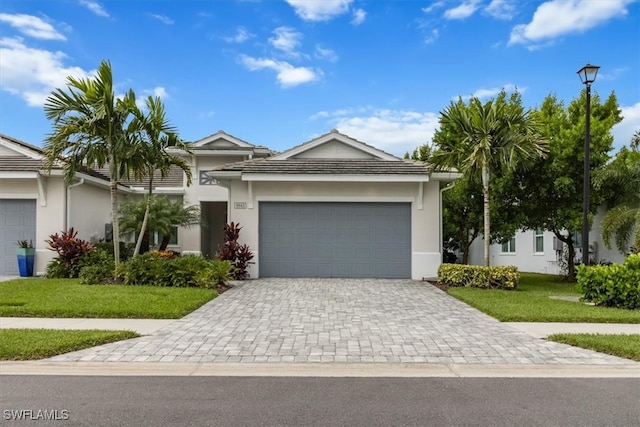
{"x": 627, "y": 346}
{"x": 531, "y": 302}
{"x": 33, "y": 344}
{"x": 37, "y": 297}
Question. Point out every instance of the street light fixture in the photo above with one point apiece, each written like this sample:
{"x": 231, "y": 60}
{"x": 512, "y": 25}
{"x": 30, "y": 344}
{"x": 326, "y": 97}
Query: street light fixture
{"x": 587, "y": 75}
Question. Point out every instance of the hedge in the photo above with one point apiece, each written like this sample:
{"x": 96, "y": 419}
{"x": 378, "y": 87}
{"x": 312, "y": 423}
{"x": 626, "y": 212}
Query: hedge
{"x": 616, "y": 285}
{"x": 477, "y": 276}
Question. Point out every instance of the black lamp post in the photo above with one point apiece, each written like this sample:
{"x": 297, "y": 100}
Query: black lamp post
{"x": 587, "y": 75}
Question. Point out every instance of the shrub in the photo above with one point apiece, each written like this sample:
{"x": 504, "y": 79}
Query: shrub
{"x": 477, "y": 276}
{"x": 126, "y": 249}
{"x": 96, "y": 267}
{"x": 616, "y": 285}
{"x": 239, "y": 255}
{"x": 70, "y": 251}
{"x": 178, "y": 271}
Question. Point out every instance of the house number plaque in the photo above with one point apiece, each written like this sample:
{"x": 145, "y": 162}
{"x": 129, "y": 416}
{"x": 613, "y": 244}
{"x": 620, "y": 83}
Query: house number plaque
{"x": 239, "y": 205}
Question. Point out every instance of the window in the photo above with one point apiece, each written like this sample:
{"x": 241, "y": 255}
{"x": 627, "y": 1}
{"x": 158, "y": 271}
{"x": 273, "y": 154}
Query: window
{"x": 207, "y": 179}
{"x": 509, "y": 247}
{"x": 156, "y": 238}
{"x": 538, "y": 237}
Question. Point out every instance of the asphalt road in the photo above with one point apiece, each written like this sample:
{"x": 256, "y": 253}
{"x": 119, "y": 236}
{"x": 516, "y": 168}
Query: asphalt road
{"x": 283, "y": 401}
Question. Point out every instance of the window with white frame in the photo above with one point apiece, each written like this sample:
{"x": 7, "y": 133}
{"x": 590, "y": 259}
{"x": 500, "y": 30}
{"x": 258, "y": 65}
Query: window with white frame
{"x": 509, "y": 247}
{"x": 538, "y": 240}
{"x": 156, "y": 238}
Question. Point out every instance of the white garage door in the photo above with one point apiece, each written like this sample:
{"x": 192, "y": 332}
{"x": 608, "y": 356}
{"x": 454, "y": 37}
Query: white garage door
{"x": 335, "y": 239}
{"x": 17, "y": 222}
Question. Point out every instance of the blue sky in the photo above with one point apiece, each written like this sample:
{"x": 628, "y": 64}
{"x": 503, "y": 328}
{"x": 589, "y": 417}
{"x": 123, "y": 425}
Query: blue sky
{"x": 280, "y": 72}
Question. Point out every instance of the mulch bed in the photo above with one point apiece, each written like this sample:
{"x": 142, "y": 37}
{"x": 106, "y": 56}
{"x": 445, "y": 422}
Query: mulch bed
{"x": 221, "y": 288}
{"x": 438, "y": 285}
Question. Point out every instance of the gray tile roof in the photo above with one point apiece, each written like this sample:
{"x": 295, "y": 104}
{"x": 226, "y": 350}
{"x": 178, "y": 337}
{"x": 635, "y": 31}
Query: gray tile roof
{"x": 24, "y": 144}
{"x": 20, "y": 163}
{"x": 175, "y": 178}
{"x": 328, "y": 166}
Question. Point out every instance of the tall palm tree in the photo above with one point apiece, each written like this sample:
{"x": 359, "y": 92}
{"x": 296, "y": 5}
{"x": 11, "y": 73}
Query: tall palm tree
{"x": 155, "y": 135}
{"x": 487, "y": 137}
{"x": 89, "y": 129}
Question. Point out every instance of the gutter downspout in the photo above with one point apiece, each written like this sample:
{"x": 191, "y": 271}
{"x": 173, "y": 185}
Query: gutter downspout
{"x": 68, "y": 204}
{"x": 442, "y": 190}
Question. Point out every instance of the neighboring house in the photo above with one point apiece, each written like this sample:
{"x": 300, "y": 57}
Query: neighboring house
{"x": 539, "y": 251}
{"x": 337, "y": 207}
{"x": 333, "y": 206}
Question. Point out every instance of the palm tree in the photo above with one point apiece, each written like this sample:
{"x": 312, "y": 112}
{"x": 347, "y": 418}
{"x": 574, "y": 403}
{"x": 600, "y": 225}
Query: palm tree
{"x": 620, "y": 180}
{"x": 89, "y": 129}
{"x": 163, "y": 215}
{"x": 155, "y": 136}
{"x": 486, "y": 138}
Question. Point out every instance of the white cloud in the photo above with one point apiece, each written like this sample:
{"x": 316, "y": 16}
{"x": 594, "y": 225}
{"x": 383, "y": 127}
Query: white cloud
{"x": 501, "y": 9}
{"x": 327, "y": 54}
{"x": 157, "y": 91}
{"x": 433, "y": 6}
{"x": 162, "y": 18}
{"x": 319, "y": 10}
{"x": 287, "y": 40}
{"x": 241, "y": 36}
{"x": 432, "y": 37}
{"x": 623, "y": 131}
{"x": 558, "y": 17}
{"x": 359, "y": 16}
{"x": 32, "y": 26}
{"x": 33, "y": 73}
{"x": 463, "y": 11}
{"x": 395, "y": 131}
{"x": 94, "y": 7}
{"x": 287, "y": 74}
{"x": 492, "y": 92}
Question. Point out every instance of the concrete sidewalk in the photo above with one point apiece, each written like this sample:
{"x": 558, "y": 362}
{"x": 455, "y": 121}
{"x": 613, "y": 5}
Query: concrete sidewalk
{"x": 149, "y": 326}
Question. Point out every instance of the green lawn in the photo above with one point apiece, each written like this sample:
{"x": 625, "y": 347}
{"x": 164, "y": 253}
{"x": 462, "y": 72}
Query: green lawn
{"x": 627, "y": 346}
{"x": 31, "y": 344}
{"x": 68, "y": 298}
{"x": 531, "y": 303}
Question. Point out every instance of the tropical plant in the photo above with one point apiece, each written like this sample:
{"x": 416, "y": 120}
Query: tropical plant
{"x": 164, "y": 216}
{"x": 619, "y": 182}
{"x": 480, "y": 139}
{"x": 155, "y": 136}
{"x": 239, "y": 255}
{"x": 89, "y": 128}
{"x": 70, "y": 250}
{"x": 550, "y": 193}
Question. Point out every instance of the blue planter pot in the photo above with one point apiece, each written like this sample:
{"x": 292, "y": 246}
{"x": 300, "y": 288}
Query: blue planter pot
{"x": 26, "y": 260}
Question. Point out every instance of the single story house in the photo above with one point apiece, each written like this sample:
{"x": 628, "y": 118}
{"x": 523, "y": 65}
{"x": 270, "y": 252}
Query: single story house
{"x": 331, "y": 207}
{"x": 539, "y": 251}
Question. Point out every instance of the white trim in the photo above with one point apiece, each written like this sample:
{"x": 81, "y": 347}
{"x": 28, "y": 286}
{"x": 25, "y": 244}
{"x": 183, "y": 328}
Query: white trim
{"x": 419, "y": 201}
{"x": 337, "y": 136}
{"x": 333, "y": 178}
{"x": 18, "y": 174}
{"x": 42, "y": 190}
{"x": 364, "y": 199}
{"x": 250, "y": 195}
{"x": 445, "y": 176}
{"x": 222, "y": 135}
{"x": 222, "y": 152}
{"x": 20, "y": 149}
{"x": 19, "y": 196}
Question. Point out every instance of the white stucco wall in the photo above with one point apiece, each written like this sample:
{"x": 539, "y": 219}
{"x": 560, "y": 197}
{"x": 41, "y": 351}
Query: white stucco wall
{"x": 50, "y": 211}
{"x": 89, "y": 210}
{"x": 425, "y": 245}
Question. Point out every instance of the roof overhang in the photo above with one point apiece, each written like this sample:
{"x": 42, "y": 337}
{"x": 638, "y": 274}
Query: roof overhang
{"x": 19, "y": 174}
{"x": 333, "y": 178}
{"x": 445, "y": 176}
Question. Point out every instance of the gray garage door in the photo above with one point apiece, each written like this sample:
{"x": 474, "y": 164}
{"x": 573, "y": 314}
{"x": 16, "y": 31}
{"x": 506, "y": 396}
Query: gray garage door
{"x": 17, "y": 222}
{"x": 335, "y": 239}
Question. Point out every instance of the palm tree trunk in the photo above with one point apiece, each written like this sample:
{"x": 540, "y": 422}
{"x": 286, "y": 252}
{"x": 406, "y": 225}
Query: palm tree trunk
{"x": 487, "y": 219}
{"x": 145, "y": 220}
{"x": 113, "y": 189}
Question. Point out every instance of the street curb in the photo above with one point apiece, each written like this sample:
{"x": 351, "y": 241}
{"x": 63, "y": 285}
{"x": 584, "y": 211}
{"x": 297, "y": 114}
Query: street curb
{"x": 409, "y": 370}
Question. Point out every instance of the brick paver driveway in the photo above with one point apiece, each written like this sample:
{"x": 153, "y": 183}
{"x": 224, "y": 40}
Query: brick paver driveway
{"x": 339, "y": 320}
